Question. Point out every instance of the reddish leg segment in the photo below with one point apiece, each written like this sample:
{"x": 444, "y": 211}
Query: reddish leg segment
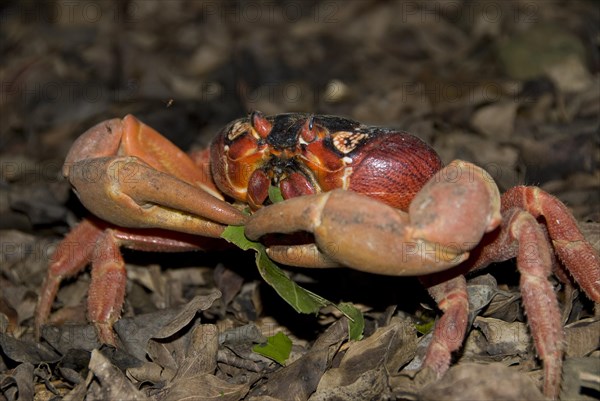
{"x": 91, "y": 242}
{"x": 449, "y": 333}
{"x": 534, "y": 262}
{"x": 106, "y": 294}
{"x": 70, "y": 257}
{"x": 522, "y": 235}
{"x": 576, "y": 254}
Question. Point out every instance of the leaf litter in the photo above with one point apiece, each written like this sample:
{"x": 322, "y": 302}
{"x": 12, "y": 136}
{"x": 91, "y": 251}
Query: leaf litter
{"x": 455, "y": 76}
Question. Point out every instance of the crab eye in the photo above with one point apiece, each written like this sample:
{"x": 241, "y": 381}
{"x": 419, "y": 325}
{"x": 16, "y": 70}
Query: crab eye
{"x": 239, "y": 128}
{"x": 308, "y": 133}
{"x": 346, "y": 142}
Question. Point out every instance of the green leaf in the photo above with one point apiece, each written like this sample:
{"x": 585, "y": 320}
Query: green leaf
{"x": 277, "y": 348}
{"x": 425, "y": 327}
{"x": 356, "y": 320}
{"x": 300, "y": 299}
{"x": 275, "y": 194}
{"x": 235, "y": 235}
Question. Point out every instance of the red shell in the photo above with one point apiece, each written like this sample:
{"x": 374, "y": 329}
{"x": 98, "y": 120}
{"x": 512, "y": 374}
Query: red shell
{"x": 305, "y": 154}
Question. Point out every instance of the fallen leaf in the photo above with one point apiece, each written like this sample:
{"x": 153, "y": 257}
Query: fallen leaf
{"x": 582, "y": 337}
{"x": 300, "y": 299}
{"x": 581, "y": 379}
{"x": 17, "y": 384}
{"x": 187, "y": 313}
{"x": 201, "y": 355}
{"x": 482, "y": 382}
{"x": 201, "y": 387}
{"x": 277, "y": 348}
{"x": 27, "y": 351}
{"x": 391, "y": 347}
{"x": 136, "y": 332}
{"x": 114, "y": 384}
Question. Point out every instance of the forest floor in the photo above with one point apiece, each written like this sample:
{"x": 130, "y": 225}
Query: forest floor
{"x": 511, "y": 86}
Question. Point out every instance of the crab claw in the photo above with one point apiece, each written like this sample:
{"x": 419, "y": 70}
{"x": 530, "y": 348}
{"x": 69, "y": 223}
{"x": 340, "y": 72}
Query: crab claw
{"x": 128, "y": 174}
{"x": 365, "y": 234}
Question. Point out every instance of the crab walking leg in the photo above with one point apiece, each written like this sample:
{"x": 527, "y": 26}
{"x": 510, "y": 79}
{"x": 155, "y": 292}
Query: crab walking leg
{"x": 449, "y": 333}
{"x": 106, "y": 294}
{"x": 70, "y": 257}
{"x": 580, "y": 258}
{"x": 91, "y": 242}
{"x": 522, "y": 236}
{"x": 534, "y": 262}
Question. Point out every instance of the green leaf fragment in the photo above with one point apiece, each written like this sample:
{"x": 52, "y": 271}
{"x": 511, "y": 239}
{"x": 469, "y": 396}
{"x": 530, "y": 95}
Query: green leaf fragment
{"x": 277, "y": 348}
{"x": 235, "y": 235}
{"x": 424, "y": 327}
{"x": 300, "y": 299}
{"x": 356, "y": 320}
{"x": 275, "y": 194}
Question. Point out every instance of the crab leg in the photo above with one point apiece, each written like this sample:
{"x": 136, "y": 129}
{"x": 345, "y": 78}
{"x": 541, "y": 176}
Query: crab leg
{"x": 91, "y": 242}
{"x": 449, "y": 291}
{"x": 70, "y": 257}
{"x": 522, "y": 236}
{"x": 106, "y": 294}
{"x": 534, "y": 262}
{"x": 128, "y": 174}
{"x": 573, "y": 250}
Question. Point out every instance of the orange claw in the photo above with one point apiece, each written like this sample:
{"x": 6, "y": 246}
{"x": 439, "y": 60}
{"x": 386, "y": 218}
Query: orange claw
{"x": 128, "y": 174}
{"x": 354, "y": 230}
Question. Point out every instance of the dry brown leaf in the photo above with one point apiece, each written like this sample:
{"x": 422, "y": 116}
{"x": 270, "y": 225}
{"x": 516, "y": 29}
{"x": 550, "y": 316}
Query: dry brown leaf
{"x": 364, "y": 367}
{"x": 201, "y": 387}
{"x": 26, "y": 351}
{"x": 582, "y": 337}
{"x": 482, "y": 382}
{"x": 194, "y": 379}
{"x": 201, "y": 355}
{"x": 187, "y": 313}
{"x": 17, "y": 384}
{"x": 136, "y": 332}
{"x": 581, "y": 379}
{"x": 298, "y": 380}
{"x": 391, "y": 346}
{"x": 502, "y": 338}
{"x": 114, "y": 384}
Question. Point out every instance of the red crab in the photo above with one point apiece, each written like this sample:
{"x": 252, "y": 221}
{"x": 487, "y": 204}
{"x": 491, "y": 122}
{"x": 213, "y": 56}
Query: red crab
{"x": 381, "y": 196}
